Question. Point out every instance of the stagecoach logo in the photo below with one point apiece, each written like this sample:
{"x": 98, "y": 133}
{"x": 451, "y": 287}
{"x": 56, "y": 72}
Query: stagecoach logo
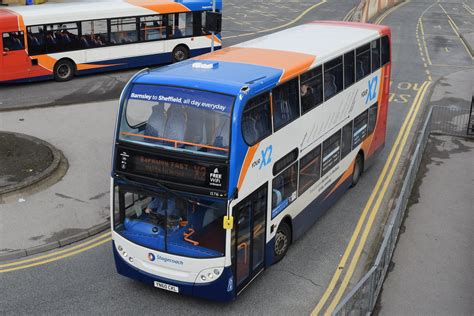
{"x": 215, "y": 178}
{"x": 151, "y": 257}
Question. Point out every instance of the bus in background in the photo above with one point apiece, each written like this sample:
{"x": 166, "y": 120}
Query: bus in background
{"x": 64, "y": 39}
{"x": 222, "y": 161}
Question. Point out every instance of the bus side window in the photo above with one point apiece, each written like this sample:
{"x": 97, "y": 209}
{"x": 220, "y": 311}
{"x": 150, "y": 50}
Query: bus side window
{"x": 123, "y": 31}
{"x": 285, "y": 103}
{"x": 332, "y": 77}
{"x": 346, "y": 140}
{"x": 310, "y": 169}
{"x": 151, "y": 28}
{"x": 372, "y": 118}
{"x": 36, "y": 43}
{"x": 362, "y": 61}
{"x": 375, "y": 47}
{"x": 385, "y": 50}
{"x": 349, "y": 69}
{"x": 256, "y": 124}
{"x": 94, "y": 34}
{"x": 13, "y": 41}
{"x": 311, "y": 89}
{"x": 284, "y": 189}
{"x": 360, "y": 129}
{"x": 331, "y": 152}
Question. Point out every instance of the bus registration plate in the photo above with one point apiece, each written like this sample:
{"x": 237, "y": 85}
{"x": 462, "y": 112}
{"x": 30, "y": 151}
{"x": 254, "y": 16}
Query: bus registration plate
{"x": 167, "y": 287}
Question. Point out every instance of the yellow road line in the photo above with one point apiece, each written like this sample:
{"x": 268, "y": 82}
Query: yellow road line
{"x": 376, "y": 207}
{"x": 55, "y": 253}
{"x": 68, "y": 254}
{"x": 349, "y": 14}
{"x": 361, "y": 221}
{"x": 468, "y": 8}
{"x": 386, "y": 13}
{"x": 299, "y": 17}
{"x": 424, "y": 43}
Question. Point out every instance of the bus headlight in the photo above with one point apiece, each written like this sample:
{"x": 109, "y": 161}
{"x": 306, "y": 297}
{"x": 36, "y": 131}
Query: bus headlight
{"x": 209, "y": 275}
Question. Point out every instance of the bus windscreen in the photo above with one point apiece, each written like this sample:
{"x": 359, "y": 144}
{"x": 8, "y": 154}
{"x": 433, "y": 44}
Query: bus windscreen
{"x": 181, "y": 118}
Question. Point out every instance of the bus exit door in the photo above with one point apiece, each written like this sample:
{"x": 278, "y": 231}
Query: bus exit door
{"x": 249, "y": 236}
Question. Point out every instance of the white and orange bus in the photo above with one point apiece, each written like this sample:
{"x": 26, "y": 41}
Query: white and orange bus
{"x": 61, "y": 40}
{"x": 222, "y": 161}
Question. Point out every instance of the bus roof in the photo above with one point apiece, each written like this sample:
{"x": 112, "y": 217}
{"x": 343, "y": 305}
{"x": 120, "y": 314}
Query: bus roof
{"x": 76, "y": 11}
{"x": 264, "y": 62}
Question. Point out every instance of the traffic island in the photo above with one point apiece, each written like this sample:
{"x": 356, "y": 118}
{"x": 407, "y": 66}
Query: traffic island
{"x": 24, "y": 161}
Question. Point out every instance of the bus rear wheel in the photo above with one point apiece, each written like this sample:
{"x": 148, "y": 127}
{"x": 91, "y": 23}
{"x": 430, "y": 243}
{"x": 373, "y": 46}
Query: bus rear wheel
{"x": 64, "y": 70}
{"x": 282, "y": 241}
{"x": 180, "y": 53}
{"x": 358, "y": 168}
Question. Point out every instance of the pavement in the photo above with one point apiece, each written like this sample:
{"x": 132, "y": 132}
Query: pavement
{"x": 431, "y": 269}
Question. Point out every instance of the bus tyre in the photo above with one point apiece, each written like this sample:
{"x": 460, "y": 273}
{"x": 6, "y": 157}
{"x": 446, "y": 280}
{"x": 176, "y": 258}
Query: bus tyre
{"x": 180, "y": 53}
{"x": 282, "y": 241}
{"x": 64, "y": 70}
{"x": 357, "y": 172}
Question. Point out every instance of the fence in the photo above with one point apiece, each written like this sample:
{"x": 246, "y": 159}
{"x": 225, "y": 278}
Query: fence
{"x": 362, "y": 298}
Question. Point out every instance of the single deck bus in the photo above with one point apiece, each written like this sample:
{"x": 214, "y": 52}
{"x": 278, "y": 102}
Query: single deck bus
{"x": 63, "y": 39}
{"x": 222, "y": 161}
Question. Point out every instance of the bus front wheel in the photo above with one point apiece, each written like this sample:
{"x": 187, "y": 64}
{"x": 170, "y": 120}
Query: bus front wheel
{"x": 180, "y": 53}
{"x": 64, "y": 70}
{"x": 358, "y": 168}
{"x": 282, "y": 241}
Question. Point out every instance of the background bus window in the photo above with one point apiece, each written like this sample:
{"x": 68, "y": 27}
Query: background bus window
{"x": 284, "y": 189}
{"x": 346, "y": 140}
{"x": 311, "y": 89}
{"x": 349, "y": 69}
{"x": 36, "y": 40}
{"x": 310, "y": 169}
{"x": 375, "y": 47}
{"x": 181, "y": 24}
{"x": 285, "y": 103}
{"x": 62, "y": 37}
{"x": 13, "y": 41}
{"x": 333, "y": 77}
{"x": 123, "y": 31}
{"x": 372, "y": 118}
{"x": 152, "y": 28}
{"x": 94, "y": 34}
{"x": 360, "y": 129}
{"x": 385, "y": 50}
{"x": 331, "y": 152}
{"x": 256, "y": 124}
{"x": 362, "y": 61}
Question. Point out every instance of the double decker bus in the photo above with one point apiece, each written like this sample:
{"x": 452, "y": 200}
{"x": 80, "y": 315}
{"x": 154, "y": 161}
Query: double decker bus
{"x": 64, "y": 39}
{"x": 222, "y": 161}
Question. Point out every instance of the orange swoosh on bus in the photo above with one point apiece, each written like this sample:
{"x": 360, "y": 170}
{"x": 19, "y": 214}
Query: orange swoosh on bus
{"x": 159, "y": 6}
{"x": 247, "y": 161}
{"x": 215, "y": 38}
{"x": 291, "y": 63}
{"x": 343, "y": 178}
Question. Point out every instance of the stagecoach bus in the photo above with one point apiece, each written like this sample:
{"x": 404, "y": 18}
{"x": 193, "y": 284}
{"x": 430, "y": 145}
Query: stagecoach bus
{"x": 63, "y": 39}
{"x": 222, "y": 161}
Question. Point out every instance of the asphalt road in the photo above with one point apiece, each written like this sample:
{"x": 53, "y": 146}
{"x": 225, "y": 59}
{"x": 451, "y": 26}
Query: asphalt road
{"x": 87, "y": 282}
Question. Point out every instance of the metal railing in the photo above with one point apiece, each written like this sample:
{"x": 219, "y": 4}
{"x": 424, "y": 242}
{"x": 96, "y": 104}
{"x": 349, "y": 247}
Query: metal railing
{"x": 362, "y": 298}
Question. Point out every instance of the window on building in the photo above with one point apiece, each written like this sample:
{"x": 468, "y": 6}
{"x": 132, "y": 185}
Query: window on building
{"x": 360, "y": 129}
{"x": 284, "y": 189}
{"x": 372, "y": 118}
{"x": 311, "y": 89}
{"x": 362, "y": 62}
{"x": 256, "y": 123}
{"x": 123, "y": 31}
{"x": 310, "y": 169}
{"x": 36, "y": 40}
{"x": 385, "y": 50}
{"x": 331, "y": 152}
{"x": 94, "y": 34}
{"x": 349, "y": 69}
{"x": 375, "y": 48}
{"x": 152, "y": 28}
{"x": 285, "y": 103}
{"x": 346, "y": 140}
{"x": 333, "y": 77}
{"x": 13, "y": 41}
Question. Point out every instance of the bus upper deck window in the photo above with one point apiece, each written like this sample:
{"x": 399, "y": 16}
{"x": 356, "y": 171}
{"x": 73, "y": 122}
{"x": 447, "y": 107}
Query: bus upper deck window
{"x": 385, "y": 50}
{"x": 256, "y": 124}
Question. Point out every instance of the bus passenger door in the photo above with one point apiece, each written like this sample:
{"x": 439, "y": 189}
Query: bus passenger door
{"x": 250, "y": 215}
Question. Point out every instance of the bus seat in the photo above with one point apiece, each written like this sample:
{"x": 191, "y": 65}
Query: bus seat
{"x": 249, "y": 129}
{"x": 360, "y": 69}
{"x": 155, "y": 124}
{"x": 277, "y": 197}
{"x": 175, "y": 127}
{"x": 330, "y": 87}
